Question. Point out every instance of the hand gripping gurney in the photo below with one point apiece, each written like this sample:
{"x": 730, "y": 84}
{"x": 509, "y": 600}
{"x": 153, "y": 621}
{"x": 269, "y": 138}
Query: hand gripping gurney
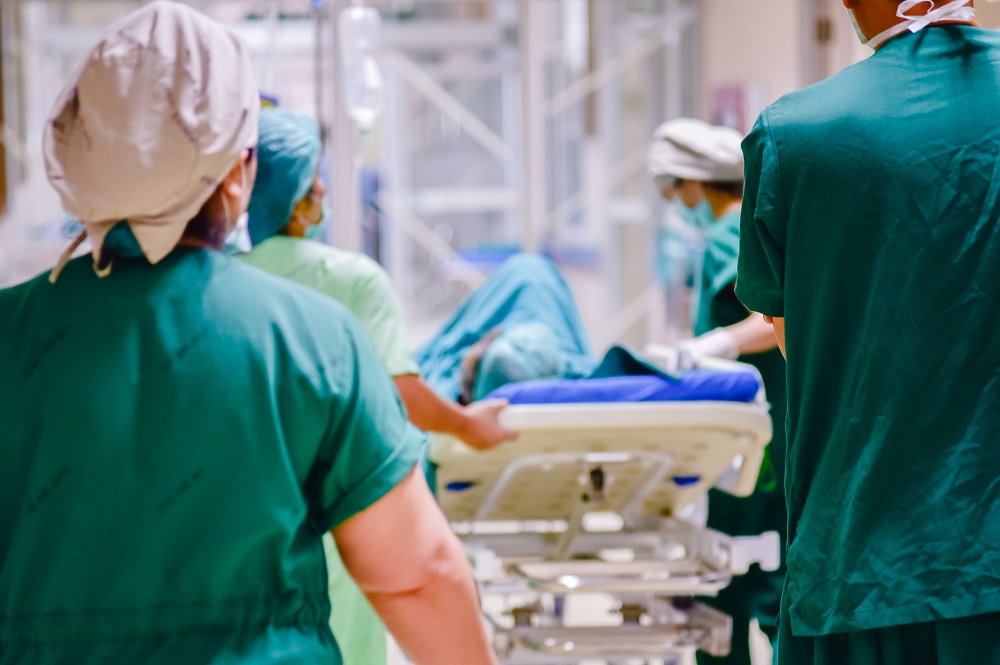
{"x": 603, "y": 498}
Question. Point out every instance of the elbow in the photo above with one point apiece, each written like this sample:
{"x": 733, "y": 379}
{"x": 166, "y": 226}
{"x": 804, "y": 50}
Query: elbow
{"x": 436, "y": 566}
{"x": 442, "y": 566}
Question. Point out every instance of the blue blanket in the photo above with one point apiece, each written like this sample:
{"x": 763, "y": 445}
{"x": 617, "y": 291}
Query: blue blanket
{"x": 696, "y": 385}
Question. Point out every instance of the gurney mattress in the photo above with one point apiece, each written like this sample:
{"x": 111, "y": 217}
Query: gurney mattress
{"x": 693, "y": 386}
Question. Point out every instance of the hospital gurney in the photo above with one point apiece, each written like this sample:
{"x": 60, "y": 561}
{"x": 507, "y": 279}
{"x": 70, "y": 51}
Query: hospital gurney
{"x": 603, "y": 498}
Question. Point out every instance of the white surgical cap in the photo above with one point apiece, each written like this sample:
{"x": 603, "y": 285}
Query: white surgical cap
{"x": 695, "y": 150}
{"x": 150, "y": 124}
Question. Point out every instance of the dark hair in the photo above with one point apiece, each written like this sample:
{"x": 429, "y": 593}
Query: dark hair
{"x": 732, "y": 188}
{"x": 209, "y": 225}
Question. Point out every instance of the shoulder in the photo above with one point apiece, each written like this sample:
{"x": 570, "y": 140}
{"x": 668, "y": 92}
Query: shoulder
{"x": 14, "y": 300}
{"x": 723, "y": 236}
{"x": 355, "y": 264}
{"x": 803, "y": 124}
{"x": 725, "y": 228}
{"x": 354, "y": 276}
{"x": 333, "y": 260}
{"x": 260, "y": 289}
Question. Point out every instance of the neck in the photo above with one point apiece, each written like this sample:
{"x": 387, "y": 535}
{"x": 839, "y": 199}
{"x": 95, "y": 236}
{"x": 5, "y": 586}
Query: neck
{"x": 722, "y": 204}
{"x": 877, "y": 17}
{"x": 197, "y": 243}
{"x": 209, "y": 227}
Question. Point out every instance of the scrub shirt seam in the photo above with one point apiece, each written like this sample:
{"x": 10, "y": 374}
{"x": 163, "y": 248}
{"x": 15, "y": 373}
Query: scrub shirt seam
{"x": 897, "y": 609}
{"x": 320, "y": 596}
{"x": 895, "y": 615}
{"x": 161, "y": 606}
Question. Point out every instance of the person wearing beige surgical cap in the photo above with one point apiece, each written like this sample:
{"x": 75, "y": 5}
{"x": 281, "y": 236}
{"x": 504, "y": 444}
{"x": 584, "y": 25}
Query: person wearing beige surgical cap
{"x": 179, "y": 429}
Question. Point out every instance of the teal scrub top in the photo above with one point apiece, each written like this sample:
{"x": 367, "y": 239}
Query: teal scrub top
{"x": 719, "y": 307}
{"x": 177, "y": 438}
{"x": 756, "y": 595}
{"x": 871, "y": 223}
{"x": 526, "y": 288}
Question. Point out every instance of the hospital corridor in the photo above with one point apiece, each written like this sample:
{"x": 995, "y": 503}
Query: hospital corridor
{"x": 499, "y": 332}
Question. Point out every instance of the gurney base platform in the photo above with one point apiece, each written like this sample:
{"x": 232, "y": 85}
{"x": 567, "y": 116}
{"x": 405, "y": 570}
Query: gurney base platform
{"x": 654, "y": 630}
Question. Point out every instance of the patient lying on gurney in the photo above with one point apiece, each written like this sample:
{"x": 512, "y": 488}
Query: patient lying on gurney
{"x": 522, "y": 327}
{"x": 521, "y": 324}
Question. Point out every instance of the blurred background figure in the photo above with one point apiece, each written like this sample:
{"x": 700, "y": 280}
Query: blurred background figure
{"x": 701, "y": 167}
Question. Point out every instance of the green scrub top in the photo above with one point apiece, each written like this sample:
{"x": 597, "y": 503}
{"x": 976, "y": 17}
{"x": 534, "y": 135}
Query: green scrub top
{"x": 350, "y": 278}
{"x": 756, "y": 595}
{"x": 177, "y": 438}
{"x": 870, "y": 222}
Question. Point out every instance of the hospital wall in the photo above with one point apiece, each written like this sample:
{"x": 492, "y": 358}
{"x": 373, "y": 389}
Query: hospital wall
{"x": 749, "y": 50}
{"x": 755, "y": 51}
{"x": 988, "y": 13}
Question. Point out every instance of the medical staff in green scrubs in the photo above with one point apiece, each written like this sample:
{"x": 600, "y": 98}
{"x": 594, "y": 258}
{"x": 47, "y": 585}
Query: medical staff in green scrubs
{"x": 710, "y": 158}
{"x": 179, "y": 430}
{"x": 286, "y": 203}
{"x": 870, "y": 235}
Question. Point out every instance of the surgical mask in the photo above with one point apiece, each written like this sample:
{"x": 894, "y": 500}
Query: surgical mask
{"x": 699, "y": 217}
{"x": 238, "y": 240}
{"x": 953, "y": 11}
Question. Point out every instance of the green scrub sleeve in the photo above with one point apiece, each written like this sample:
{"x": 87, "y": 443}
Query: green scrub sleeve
{"x": 760, "y": 284}
{"x": 380, "y": 311}
{"x": 369, "y": 447}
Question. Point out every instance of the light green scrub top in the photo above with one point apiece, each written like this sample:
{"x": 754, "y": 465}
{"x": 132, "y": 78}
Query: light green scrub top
{"x": 871, "y": 222}
{"x": 361, "y": 285}
{"x": 350, "y": 278}
{"x": 176, "y": 440}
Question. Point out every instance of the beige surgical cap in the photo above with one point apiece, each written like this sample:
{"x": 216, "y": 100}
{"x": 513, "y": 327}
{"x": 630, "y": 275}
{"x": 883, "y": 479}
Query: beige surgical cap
{"x": 695, "y": 150}
{"x": 150, "y": 124}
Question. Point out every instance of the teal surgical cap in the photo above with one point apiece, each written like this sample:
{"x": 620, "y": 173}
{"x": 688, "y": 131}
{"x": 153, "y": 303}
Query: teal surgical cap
{"x": 288, "y": 156}
{"x": 524, "y": 352}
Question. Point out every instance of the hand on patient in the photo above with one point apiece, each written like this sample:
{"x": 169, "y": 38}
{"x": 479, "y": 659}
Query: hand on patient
{"x": 482, "y": 429}
{"x": 477, "y": 425}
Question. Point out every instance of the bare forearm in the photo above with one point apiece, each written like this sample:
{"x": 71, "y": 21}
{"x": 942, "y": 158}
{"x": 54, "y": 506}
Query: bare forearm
{"x": 428, "y": 410}
{"x": 753, "y": 334}
{"x": 441, "y": 622}
{"x": 404, "y": 557}
{"x": 477, "y": 424}
{"x": 779, "y": 331}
